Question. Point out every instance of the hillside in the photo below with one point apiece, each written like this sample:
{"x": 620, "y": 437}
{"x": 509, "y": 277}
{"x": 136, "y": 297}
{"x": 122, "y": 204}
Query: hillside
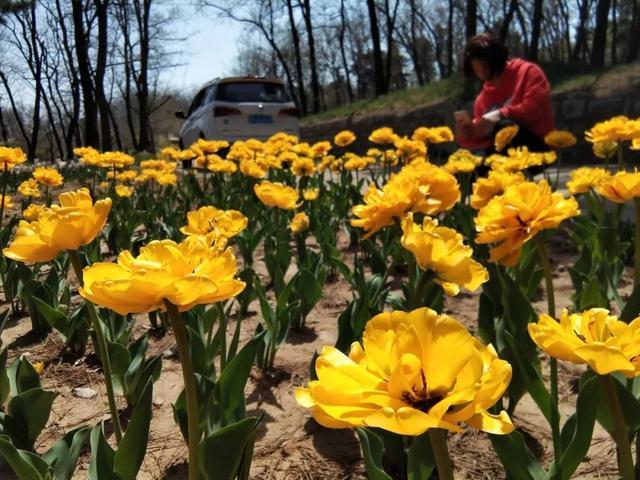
{"x": 564, "y": 78}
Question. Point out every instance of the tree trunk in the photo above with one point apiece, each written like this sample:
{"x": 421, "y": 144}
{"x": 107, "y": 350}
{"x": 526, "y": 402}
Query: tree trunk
{"x": 313, "y": 64}
{"x": 302, "y": 96}
{"x": 506, "y": 23}
{"x": 536, "y": 27}
{"x": 91, "y": 135}
{"x": 614, "y": 32}
{"x": 581, "y": 31}
{"x": 101, "y": 7}
{"x": 599, "y": 45}
{"x": 343, "y": 53}
{"x": 75, "y": 85}
{"x": 143, "y": 10}
{"x": 634, "y": 39}
{"x": 378, "y": 67}
{"x": 471, "y": 18}
{"x": 450, "y": 40}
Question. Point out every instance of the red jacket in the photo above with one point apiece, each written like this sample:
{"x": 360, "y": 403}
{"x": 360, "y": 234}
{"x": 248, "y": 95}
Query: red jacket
{"x": 521, "y": 93}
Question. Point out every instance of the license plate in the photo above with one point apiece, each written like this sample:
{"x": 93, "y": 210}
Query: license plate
{"x": 260, "y": 119}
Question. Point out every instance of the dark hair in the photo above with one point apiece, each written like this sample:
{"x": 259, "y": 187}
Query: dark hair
{"x": 488, "y": 48}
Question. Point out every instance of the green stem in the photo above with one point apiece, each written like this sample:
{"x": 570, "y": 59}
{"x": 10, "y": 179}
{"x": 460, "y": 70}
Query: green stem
{"x": 101, "y": 349}
{"x": 438, "y": 438}
{"x": 558, "y": 164}
{"x": 620, "y": 435}
{"x": 620, "y": 152}
{"x": 222, "y": 319}
{"x": 4, "y": 194}
{"x": 189, "y": 379}
{"x": 553, "y": 363}
{"x": 636, "y": 253}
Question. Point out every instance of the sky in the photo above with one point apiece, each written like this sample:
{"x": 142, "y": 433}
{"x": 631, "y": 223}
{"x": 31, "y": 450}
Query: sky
{"x": 208, "y": 52}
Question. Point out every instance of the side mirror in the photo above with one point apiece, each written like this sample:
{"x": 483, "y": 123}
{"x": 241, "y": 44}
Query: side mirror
{"x": 180, "y": 114}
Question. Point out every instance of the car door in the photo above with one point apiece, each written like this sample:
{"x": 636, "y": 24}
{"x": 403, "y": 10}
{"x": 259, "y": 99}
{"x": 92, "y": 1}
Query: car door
{"x": 191, "y": 127}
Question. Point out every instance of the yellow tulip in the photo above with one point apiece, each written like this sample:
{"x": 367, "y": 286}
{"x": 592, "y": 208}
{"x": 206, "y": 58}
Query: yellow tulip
{"x": 10, "y": 157}
{"x": 222, "y": 166}
{"x": 38, "y": 367}
{"x": 344, "y": 138}
{"x": 441, "y": 250}
{"x": 186, "y": 274}
{"x": 440, "y": 188}
{"x": 124, "y": 191}
{"x": 504, "y": 136}
{"x": 209, "y": 219}
{"x": 433, "y": 134}
{"x": 299, "y": 222}
{"x": 310, "y": 194}
{"x": 524, "y": 210}
{"x": 413, "y": 371}
{"x": 8, "y": 202}
{"x": 605, "y": 150}
{"x": 615, "y": 129}
{"x": 320, "y": 148}
{"x": 115, "y": 160}
{"x": 29, "y": 188}
{"x": 382, "y": 207}
{"x": 33, "y": 212}
{"x": 560, "y": 139}
{"x": 593, "y": 337}
{"x": 484, "y": 189}
{"x": 621, "y": 187}
{"x": 48, "y": 176}
{"x": 382, "y": 135}
{"x": 251, "y": 169}
{"x": 462, "y": 161}
{"x": 303, "y": 167}
{"x": 277, "y": 195}
{"x": 584, "y": 178}
{"x": 75, "y": 222}
{"x": 88, "y": 155}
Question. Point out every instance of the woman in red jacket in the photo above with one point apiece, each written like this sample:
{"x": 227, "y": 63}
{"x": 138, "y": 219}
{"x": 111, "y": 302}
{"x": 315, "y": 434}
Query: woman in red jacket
{"x": 514, "y": 91}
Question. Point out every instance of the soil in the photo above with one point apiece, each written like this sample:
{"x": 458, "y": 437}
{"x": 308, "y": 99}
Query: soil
{"x": 290, "y": 444}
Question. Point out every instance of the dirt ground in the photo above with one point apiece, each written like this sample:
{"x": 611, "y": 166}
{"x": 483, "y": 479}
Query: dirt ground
{"x": 290, "y": 444}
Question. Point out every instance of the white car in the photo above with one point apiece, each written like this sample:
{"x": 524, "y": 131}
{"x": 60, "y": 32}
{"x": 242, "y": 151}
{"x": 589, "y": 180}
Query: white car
{"x": 239, "y": 108}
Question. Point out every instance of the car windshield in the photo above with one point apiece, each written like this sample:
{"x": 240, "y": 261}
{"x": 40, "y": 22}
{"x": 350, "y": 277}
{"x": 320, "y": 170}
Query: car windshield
{"x": 252, "y": 92}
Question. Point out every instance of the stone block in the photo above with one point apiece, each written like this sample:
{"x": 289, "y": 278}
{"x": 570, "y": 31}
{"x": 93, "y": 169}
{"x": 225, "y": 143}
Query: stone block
{"x": 571, "y": 109}
{"x": 605, "y": 108}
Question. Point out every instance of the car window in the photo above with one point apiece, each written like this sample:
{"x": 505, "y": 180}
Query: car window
{"x": 210, "y": 94}
{"x": 252, "y": 92}
{"x": 197, "y": 101}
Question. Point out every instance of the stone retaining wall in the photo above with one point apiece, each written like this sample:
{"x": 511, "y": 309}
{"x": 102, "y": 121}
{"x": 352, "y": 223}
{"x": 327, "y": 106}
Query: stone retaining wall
{"x": 575, "y": 111}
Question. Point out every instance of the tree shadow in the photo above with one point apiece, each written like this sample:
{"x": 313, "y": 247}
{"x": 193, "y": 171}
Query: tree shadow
{"x": 27, "y": 340}
{"x": 304, "y": 334}
{"x": 338, "y": 445}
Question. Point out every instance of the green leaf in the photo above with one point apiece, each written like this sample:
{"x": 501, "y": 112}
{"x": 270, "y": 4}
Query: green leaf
{"x": 26, "y": 465}
{"x": 102, "y": 456}
{"x": 632, "y": 308}
{"x": 372, "y": 450}
{"x": 420, "y": 461}
{"x": 31, "y": 410}
{"x": 629, "y": 404}
{"x": 577, "y": 430}
{"x": 22, "y": 376}
{"x": 133, "y": 446}
{"x": 120, "y": 359}
{"x": 5, "y": 386}
{"x": 531, "y": 378}
{"x": 230, "y": 386}
{"x": 63, "y": 455}
{"x": 53, "y": 316}
{"x": 516, "y": 457}
{"x": 222, "y": 452}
